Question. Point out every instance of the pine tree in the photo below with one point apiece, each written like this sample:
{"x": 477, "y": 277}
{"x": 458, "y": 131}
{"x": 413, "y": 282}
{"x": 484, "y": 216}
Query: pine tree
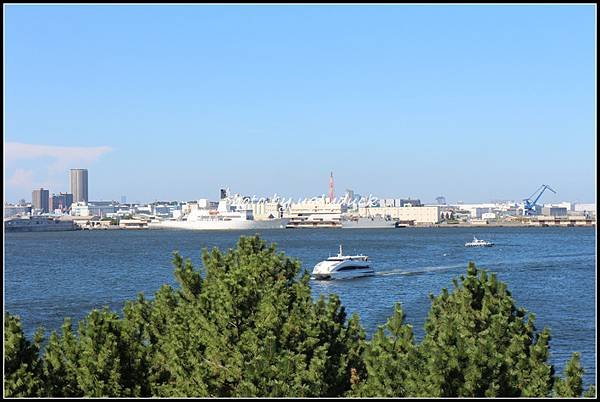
{"x": 391, "y": 360}
{"x": 23, "y": 374}
{"x": 60, "y": 363}
{"x": 572, "y": 384}
{"x": 591, "y": 392}
{"x": 477, "y": 343}
{"x": 247, "y": 327}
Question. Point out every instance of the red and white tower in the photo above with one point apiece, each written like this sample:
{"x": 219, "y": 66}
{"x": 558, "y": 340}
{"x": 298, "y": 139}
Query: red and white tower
{"x": 331, "y": 193}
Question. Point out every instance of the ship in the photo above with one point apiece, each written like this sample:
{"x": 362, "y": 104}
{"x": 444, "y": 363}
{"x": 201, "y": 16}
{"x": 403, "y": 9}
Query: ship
{"x": 225, "y": 217}
{"x": 343, "y": 267}
{"x": 479, "y": 243}
{"x": 37, "y": 224}
{"x": 370, "y": 222}
{"x": 315, "y": 221}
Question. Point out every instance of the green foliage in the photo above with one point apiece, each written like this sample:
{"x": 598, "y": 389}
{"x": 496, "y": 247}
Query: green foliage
{"x": 22, "y": 366}
{"x": 60, "y": 363}
{"x": 106, "y": 358}
{"x": 572, "y": 383}
{"x": 247, "y": 325}
{"x": 390, "y": 360}
{"x": 251, "y": 328}
{"x": 476, "y": 344}
{"x": 591, "y": 392}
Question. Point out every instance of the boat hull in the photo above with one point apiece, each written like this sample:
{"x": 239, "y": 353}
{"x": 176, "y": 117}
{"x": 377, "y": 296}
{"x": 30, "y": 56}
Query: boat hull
{"x": 358, "y": 273}
{"x": 220, "y": 225}
{"x": 37, "y": 225}
{"x": 312, "y": 224}
{"x": 368, "y": 223}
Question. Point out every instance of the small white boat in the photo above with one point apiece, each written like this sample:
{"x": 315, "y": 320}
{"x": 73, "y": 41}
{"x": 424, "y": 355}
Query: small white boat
{"x": 343, "y": 266}
{"x": 479, "y": 243}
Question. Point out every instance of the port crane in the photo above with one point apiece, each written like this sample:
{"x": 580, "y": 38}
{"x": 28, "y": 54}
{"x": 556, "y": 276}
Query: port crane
{"x": 529, "y": 206}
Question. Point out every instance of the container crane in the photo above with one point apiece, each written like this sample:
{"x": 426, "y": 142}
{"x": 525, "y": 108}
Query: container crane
{"x": 529, "y": 206}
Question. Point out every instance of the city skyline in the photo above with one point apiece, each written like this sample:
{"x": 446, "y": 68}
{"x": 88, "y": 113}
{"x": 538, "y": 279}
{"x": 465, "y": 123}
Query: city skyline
{"x": 347, "y": 196}
{"x": 472, "y": 103}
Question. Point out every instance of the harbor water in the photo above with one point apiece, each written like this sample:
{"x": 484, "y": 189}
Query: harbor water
{"x": 550, "y": 272}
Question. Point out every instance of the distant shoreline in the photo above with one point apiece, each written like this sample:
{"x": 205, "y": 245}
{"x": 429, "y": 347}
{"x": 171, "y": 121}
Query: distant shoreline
{"x": 457, "y": 225}
{"x": 495, "y": 225}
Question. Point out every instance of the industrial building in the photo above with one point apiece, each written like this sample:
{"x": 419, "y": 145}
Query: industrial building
{"x": 554, "y": 211}
{"x": 420, "y": 215}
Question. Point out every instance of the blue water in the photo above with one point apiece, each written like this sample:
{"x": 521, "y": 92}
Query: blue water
{"x": 550, "y": 272}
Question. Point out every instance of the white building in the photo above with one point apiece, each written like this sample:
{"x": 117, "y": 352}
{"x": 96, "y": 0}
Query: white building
{"x": 80, "y": 209}
{"x": 266, "y": 210}
{"x": 423, "y": 215}
{"x": 590, "y": 208}
{"x": 488, "y": 215}
{"x": 500, "y": 209}
{"x": 565, "y": 204}
{"x": 100, "y": 208}
{"x": 420, "y": 215}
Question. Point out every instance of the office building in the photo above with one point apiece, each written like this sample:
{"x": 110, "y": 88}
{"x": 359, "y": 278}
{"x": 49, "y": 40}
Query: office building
{"x": 79, "y": 185}
{"x": 61, "y": 201}
{"x": 40, "y": 199}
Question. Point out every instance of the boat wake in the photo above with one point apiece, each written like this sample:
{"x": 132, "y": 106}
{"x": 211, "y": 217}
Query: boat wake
{"x": 419, "y": 271}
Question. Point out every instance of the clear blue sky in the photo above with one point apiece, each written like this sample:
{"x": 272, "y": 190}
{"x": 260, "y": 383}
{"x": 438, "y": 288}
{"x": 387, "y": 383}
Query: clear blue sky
{"x": 173, "y": 102}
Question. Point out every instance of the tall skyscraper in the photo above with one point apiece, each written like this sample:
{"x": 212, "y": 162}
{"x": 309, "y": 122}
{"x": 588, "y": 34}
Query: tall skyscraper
{"x": 331, "y": 191}
{"x": 79, "y": 185}
{"x": 39, "y": 199}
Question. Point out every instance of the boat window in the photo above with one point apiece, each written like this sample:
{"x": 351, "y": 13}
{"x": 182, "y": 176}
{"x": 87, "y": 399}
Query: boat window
{"x": 350, "y": 268}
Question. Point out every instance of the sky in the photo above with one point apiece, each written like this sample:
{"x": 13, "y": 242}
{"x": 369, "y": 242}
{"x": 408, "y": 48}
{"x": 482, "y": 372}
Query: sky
{"x": 172, "y": 102}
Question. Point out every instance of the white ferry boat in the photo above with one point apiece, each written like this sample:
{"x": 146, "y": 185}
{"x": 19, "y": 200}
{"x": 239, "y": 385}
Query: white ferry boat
{"x": 479, "y": 243}
{"x": 223, "y": 218}
{"x": 343, "y": 267}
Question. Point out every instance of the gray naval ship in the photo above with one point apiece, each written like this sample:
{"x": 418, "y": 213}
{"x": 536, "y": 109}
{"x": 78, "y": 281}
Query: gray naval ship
{"x": 370, "y": 222}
